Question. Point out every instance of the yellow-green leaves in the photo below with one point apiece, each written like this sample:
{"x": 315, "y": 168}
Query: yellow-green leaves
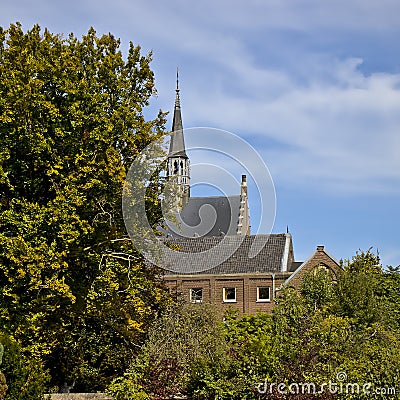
{"x": 70, "y": 125}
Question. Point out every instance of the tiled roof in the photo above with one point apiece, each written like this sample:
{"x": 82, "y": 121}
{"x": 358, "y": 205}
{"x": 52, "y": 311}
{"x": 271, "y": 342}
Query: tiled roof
{"x": 269, "y": 259}
{"x": 219, "y": 216}
{"x": 295, "y": 265}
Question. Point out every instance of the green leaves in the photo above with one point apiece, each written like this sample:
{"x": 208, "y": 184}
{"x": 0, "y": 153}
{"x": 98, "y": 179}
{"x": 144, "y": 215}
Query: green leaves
{"x": 339, "y": 325}
{"x": 25, "y": 378}
{"x": 74, "y": 292}
{"x": 186, "y": 352}
{"x": 325, "y": 332}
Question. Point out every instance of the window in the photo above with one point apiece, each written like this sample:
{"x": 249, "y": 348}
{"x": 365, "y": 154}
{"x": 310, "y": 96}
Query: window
{"x": 321, "y": 267}
{"x": 263, "y": 294}
{"x": 196, "y": 295}
{"x": 229, "y": 294}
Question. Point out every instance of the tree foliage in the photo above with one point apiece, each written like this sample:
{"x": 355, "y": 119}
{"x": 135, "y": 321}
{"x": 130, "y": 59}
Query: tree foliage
{"x": 26, "y": 377}
{"x": 334, "y": 328}
{"x": 181, "y": 339}
{"x": 73, "y": 291}
{"x": 186, "y": 354}
{"x": 338, "y": 328}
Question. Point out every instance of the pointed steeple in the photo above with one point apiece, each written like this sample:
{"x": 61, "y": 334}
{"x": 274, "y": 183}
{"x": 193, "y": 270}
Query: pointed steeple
{"x": 177, "y": 144}
{"x": 178, "y": 162}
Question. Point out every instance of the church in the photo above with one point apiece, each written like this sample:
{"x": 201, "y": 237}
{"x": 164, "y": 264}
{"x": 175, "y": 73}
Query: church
{"x": 241, "y": 280}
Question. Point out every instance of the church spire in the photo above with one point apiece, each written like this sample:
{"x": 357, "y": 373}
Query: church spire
{"x": 178, "y": 162}
{"x": 177, "y": 144}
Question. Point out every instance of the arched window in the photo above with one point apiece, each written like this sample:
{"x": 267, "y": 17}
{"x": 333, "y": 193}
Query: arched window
{"x": 321, "y": 267}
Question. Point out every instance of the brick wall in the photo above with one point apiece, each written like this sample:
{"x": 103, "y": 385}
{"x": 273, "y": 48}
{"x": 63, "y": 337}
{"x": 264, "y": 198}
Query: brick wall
{"x": 245, "y": 285}
{"x": 319, "y": 259}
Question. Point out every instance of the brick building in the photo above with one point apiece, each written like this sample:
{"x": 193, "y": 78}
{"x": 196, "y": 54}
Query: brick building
{"x": 246, "y": 284}
{"x": 245, "y": 281}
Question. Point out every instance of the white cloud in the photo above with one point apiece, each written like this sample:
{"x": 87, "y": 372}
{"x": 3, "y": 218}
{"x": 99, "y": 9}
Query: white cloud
{"x": 286, "y": 75}
{"x": 335, "y": 123}
{"x": 252, "y": 15}
{"x": 343, "y": 131}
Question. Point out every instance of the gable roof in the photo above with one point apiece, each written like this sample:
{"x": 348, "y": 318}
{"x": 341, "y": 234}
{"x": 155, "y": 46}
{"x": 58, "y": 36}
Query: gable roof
{"x": 270, "y": 259}
{"x": 207, "y": 216}
{"x": 310, "y": 261}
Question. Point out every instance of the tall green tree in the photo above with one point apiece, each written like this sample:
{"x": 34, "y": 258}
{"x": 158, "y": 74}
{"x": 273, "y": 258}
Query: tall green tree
{"x": 74, "y": 292}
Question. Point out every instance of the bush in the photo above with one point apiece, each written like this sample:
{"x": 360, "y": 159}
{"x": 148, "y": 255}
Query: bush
{"x": 25, "y": 378}
{"x": 186, "y": 353}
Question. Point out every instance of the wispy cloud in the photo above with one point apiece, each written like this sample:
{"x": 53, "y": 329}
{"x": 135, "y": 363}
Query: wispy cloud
{"x": 259, "y": 69}
{"x": 313, "y": 85}
{"x": 343, "y": 128}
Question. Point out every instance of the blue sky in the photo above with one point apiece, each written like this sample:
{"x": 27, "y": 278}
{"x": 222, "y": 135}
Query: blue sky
{"x": 313, "y": 86}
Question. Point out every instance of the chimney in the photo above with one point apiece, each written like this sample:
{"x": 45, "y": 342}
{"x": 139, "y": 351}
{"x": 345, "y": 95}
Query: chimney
{"x": 244, "y": 218}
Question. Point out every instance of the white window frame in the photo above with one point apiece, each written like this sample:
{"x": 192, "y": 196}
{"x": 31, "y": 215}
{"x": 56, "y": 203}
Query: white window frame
{"x": 258, "y": 294}
{"x": 197, "y": 300}
{"x": 224, "y": 294}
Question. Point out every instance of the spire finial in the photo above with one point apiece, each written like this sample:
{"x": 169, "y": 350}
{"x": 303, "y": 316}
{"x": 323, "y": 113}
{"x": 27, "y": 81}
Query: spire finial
{"x": 177, "y": 100}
